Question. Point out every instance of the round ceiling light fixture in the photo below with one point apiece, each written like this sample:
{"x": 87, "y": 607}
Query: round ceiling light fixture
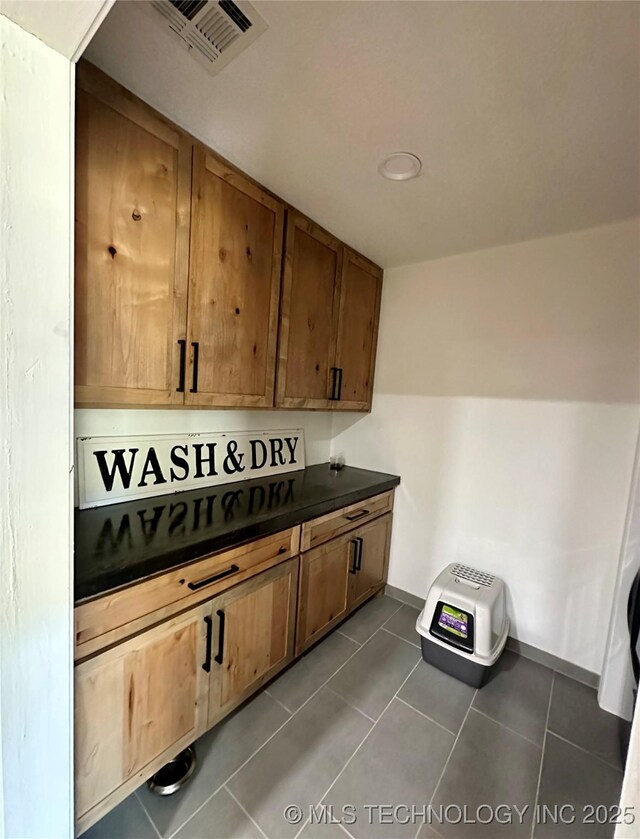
{"x": 400, "y": 166}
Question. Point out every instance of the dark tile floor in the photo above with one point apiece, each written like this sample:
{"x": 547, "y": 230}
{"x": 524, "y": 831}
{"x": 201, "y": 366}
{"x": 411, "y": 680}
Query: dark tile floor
{"x": 392, "y": 747}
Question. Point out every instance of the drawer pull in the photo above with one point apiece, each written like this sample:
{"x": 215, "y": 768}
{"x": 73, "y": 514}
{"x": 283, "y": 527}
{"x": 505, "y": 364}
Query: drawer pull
{"x": 334, "y": 384}
{"x": 356, "y": 516}
{"x": 354, "y": 568}
{"x": 183, "y": 365}
{"x": 283, "y": 549}
{"x": 220, "y": 654}
{"x": 232, "y": 569}
{"x": 207, "y": 659}
{"x": 196, "y": 359}
{"x": 360, "y": 541}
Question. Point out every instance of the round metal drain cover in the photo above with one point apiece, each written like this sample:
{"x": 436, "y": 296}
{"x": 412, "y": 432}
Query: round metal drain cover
{"x": 175, "y": 774}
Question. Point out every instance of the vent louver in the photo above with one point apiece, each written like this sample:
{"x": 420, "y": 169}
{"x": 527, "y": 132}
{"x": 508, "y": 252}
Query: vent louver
{"x": 465, "y": 572}
{"x": 214, "y": 31}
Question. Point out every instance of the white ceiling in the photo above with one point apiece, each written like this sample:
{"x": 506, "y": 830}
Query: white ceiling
{"x": 525, "y": 114}
{"x": 62, "y": 24}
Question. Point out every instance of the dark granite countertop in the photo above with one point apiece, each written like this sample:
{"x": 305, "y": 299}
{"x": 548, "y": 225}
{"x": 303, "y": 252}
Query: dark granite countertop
{"x": 122, "y": 544}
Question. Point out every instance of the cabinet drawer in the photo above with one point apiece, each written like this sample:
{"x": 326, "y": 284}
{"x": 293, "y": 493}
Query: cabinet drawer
{"x": 107, "y": 620}
{"x": 341, "y": 521}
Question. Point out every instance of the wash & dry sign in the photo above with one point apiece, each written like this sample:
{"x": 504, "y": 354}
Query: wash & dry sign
{"x": 112, "y": 469}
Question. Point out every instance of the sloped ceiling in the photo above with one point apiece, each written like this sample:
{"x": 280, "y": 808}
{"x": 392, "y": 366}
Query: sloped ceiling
{"x": 525, "y": 114}
{"x": 62, "y": 24}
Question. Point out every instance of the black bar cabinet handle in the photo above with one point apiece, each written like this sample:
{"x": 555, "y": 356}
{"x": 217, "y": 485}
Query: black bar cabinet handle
{"x": 334, "y": 383}
{"x": 183, "y": 364}
{"x": 207, "y": 659}
{"x": 356, "y": 516}
{"x": 339, "y": 396}
{"x": 232, "y": 569}
{"x": 354, "y": 568}
{"x": 219, "y": 657}
{"x": 196, "y": 357}
{"x": 360, "y": 542}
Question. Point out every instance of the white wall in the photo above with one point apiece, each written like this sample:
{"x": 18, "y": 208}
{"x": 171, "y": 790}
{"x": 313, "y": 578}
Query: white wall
{"x": 506, "y": 397}
{"x": 35, "y": 430}
{"x": 101, "y": 422}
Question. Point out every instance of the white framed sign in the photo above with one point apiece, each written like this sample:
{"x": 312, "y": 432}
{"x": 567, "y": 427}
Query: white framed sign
{"x": 113, "y": 469}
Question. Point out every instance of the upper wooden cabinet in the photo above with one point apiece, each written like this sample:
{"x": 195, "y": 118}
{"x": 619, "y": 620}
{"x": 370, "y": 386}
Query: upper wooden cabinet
{"x": 357, "y": 336}
{"x": 308, "y": 315}
{"x": 328, "y": 322}
{"x": 178, "y": 263}
{"x": 133, "y": 192}
{"x": 234, "y": 288}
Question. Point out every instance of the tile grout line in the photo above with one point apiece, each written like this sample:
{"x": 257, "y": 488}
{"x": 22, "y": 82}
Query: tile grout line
{"x": 585, "y": 751}
{"x": 245, "y": 811}
{"x": 544, "y": 746}
{"x": 446, "y": 763}
{"x": 292, "y": 715}
{"x": 359, "y": 746}
{"x": 281, "y": 704}
{"x": 400, "y": 607}
{"x": 507, "y": 728}
{"x": 350, "y": 704}
{"x": 422, "y": 714}
{"x": 340, "y": 629}
{"x": 348, "y": 637}
{"x": 402, "y": 638}
{"x": 146, "y": 812}
{"x": 254, "y": 753}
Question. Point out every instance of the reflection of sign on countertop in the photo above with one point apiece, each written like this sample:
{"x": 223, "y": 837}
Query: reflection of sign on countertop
{"x": 112, "y": 469}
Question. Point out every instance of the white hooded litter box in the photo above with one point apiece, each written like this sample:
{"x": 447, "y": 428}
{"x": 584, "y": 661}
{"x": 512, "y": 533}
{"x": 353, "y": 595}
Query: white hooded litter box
{"x": 464, "y": 624}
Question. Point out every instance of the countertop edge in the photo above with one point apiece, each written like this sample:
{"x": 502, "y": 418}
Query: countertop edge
{"x": 250, "y": 533}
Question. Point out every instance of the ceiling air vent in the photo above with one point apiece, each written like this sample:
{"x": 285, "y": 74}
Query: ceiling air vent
{"x": 214, "y": 31}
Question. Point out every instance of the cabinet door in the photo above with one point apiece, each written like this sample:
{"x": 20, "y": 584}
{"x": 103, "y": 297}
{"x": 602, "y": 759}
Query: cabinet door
{"x": 132, "y": 211}
{"x": 308, "y": 316}
{"x": 371, "y": 544}
{"x": 252, "y": 636}
{"x": 359, "y": 313}
{"x": 234, "y": 288}
{"x": 324, "y": 589}
{"x": 136, "y": 706}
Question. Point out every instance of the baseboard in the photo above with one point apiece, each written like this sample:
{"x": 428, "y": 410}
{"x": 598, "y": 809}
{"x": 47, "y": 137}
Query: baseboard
{"x": 553, "y": 662}
{"x": 573, "y": 671}
{"x": 404, "y": 596}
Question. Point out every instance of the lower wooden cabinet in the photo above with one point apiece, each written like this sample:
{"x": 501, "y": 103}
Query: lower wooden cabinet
{"x": 253, "y": 629}
{"x": 137, "y": 705}
{"x": 371, "y": 557}
{"x": 141, "y": 702}
{"x": 323, "y": 596}
{"x": 338, "y": 576}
